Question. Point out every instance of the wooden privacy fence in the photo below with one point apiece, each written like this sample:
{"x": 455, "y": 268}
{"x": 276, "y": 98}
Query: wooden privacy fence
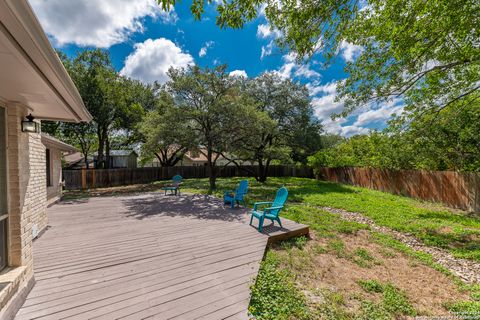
{"x": 98, "y": 178}
{"x": 454, "y": 189}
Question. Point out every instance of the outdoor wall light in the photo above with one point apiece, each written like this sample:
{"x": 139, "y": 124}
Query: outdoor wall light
{"x": 29, "y": 125}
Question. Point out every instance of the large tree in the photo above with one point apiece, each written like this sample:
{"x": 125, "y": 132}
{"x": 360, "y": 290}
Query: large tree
{"x": 166, "y": 132}
{"x": 112, "y": 100}
{"x": 287, "y": 131}
{"x": 423, "y": 51}
{"x": 210, "y": 103}
{"x": 116, "y": 103}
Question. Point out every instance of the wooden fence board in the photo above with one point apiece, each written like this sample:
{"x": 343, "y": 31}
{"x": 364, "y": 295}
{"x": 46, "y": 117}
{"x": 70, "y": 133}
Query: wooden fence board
{"x": 455, "y": 189}
{"x": 99, "y": 178}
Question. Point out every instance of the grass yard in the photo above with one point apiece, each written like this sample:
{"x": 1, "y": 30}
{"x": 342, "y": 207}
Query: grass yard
{"x": 346, "y": 270}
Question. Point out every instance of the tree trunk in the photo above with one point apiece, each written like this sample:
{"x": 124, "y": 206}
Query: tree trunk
{"x": 107, "y": 153}
{"x": 85, "y": 158}
{"x": 101, "y": 148}
{"x": 213, "y": 171}
{"x": 102, "y": 134}
{"x": 262, "y": 171}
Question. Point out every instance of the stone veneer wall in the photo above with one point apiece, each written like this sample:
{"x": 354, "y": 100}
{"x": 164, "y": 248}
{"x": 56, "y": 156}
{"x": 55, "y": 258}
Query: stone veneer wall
{"x": 27, "y": 194}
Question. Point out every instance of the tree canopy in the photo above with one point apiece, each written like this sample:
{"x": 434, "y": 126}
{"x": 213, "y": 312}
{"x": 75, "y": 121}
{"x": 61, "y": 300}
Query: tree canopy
{"x": 425, "y": 52}
{"x": 446, "y": 140}
{"x": 116, "y": 103}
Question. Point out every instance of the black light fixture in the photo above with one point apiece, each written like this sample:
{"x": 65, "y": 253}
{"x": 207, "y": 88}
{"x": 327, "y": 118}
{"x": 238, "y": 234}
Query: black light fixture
{"x": 29, "y": 125}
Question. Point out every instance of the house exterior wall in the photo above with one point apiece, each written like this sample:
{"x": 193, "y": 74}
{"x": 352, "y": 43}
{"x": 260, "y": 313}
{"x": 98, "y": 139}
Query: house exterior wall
{"x": 27, "y": 198}
{"x": 187, "y": 162}
{"x": 129, "y": 161}
{"x": 54, "y": 191}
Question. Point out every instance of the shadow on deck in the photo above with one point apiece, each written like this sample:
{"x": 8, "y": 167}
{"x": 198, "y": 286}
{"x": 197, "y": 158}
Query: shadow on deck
{"x": 206, "y": 207}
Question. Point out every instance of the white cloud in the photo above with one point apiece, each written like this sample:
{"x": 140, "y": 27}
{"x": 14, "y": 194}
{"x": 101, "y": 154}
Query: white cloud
{"x": 204, "y": 49}
{"x": 349, "y": 51}
{"x": 328, "y": 88}
{"x": 338, "y": 126}
{"x": 381, "y": 114}
{"x": 96, "y": 23}
{"x": 151, "y": 60}
{"x": 239, "y": 73}
{"x": 326, "y": 106}
{"x": 306, "y": 72}
{"x": 264, "y": 31}
{"x": 348, "y": 131}
{"x": 291, "y": 68}
{"x": 267, "y": 49}
{"x": 360, "y": 122}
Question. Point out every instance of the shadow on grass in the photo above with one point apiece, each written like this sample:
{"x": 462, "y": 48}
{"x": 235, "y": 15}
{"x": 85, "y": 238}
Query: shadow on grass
{"x": 298, "y": 188}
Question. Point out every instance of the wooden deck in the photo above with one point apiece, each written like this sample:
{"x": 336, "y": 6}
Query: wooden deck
{"x": 146, "y": 256}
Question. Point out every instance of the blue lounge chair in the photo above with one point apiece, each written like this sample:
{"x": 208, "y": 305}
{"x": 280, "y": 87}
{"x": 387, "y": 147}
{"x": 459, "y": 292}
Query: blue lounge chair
{"x": 232, "y": 197}
{"x": 271, "y": 212}
{"x": 174, "y": 187}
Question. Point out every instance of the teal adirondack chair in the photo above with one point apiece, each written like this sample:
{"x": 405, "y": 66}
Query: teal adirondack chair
{"x": 174, "y": 187}
{"x": 271, "y": 212}
{"x": 231, "y": 197}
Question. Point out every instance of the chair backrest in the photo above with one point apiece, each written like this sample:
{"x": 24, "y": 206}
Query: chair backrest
{"x": 280, "y": 199}
{"x": 242, "y": 189}
{"x": 177, "y": 179}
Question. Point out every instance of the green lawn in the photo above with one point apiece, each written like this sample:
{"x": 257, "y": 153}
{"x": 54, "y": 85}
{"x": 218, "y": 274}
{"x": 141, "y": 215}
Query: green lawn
{"x": 434, "y": 224}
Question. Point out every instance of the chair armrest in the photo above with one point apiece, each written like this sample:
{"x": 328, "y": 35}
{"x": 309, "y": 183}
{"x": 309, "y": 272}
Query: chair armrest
{"x": 273, "y": 208}
{"x": 256, "y": 204}
{"x": 228, "y": 192}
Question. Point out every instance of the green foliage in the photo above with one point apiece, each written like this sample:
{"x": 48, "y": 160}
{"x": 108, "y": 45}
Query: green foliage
{"x": 116, "y": 103}
{"x": 274, "y": 295}
{"x": 288, "y": 130}
{"x": 445, "y": 140}
{"x": 209, "y": 103}
{"x": 423, "y": 51}
{"x": 373, "y": 311}
{"x": 395, "y": 301}
{"x": 465, "y": 308}
{"x": 371, "y": 286}
{"x": 166, "y": 133}
{"x": 337, "y": 246}
{"x": 364, "y": 259}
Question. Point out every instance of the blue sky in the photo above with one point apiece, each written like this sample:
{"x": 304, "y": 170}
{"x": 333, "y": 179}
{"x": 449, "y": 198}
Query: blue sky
{"x": 144, "y": 41}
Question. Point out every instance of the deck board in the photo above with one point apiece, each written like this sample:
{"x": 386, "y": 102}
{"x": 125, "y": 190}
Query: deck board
{"x": 147, "y": 256}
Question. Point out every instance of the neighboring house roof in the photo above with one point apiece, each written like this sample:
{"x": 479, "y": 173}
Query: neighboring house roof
{"x": 119, "y": 153}
{"x": 50, "y": 141}
{"x": 32, "y": 74}
{"x": 73, "y": 158}
{"x": 196, "y": 156}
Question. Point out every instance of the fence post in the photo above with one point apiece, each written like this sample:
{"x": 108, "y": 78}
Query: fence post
{"x": 93, "y": 179}
{"x": 84, "y": 178}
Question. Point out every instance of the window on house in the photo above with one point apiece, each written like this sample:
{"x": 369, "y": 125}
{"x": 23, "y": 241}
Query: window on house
{"x": 49, "y": 173}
